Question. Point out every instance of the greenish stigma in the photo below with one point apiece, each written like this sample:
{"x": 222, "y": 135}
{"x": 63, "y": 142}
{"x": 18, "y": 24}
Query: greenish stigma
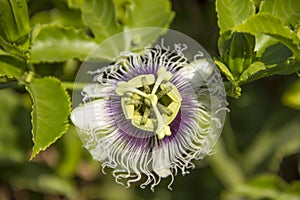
{"x": 150, "y": 104}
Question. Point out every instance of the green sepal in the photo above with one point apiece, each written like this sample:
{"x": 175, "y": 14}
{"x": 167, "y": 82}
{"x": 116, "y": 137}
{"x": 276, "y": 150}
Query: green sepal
{"x": 241, "y": 53}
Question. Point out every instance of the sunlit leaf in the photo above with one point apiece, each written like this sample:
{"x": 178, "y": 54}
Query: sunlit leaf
{"x": 265, "y": 23}
{"x": 51, "y": 108}
{"x": 52, "y": 43}
{"x": 251, "y": 72}
{"x": 287, "y": 10}
{"x": 223, "y": 68}
{"x": 233, "y": 12}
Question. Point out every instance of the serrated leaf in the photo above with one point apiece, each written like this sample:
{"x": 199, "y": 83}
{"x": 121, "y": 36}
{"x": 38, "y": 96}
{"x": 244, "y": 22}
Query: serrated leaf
{"x": 14, "y": 20}
{"x": 266, "y": 23}
{"x": 233, "y": 12}
{"x": 51, "y": 43}
{"x": 99, "y": 16}
{"x": 251, "y": 72}
{"x": 287, "y": 10}
{"x": 51, "y": 108}
{"x": 223, "y": 68}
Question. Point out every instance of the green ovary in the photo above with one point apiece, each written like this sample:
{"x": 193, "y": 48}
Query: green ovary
{"x": 150, "y": 104}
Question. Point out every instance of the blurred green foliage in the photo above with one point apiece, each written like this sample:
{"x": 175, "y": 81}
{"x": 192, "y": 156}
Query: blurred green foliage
{"x": 258, "y": 154}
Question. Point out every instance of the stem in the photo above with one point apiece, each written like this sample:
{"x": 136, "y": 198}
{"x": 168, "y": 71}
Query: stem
{"x": 6, "y": 85}
{"x": 225, "y": 167}
{"x": 73, "y": 85}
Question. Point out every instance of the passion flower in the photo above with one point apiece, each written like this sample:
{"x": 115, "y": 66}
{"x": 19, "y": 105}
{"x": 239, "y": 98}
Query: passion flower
{"x": 152, "y": 111}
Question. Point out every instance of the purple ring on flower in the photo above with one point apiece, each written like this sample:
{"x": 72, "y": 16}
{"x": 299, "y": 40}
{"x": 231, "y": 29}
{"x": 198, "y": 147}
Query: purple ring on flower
{"x": 153, "y": 110}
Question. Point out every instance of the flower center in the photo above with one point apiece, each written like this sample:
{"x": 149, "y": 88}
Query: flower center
{"x": 150, "y": 104}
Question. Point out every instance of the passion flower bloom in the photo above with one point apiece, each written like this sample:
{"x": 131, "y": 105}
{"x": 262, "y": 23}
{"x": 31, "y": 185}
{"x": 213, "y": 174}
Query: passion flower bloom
{"x": 150, "y": 113}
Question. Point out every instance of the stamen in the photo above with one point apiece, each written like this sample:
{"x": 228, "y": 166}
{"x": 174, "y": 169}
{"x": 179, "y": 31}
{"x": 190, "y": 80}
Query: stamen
{"x": 164, "y": 109}
{"x": 145, "y": 116}
{"x": 145, "y": 85}
{"x": 164, "y": 92}
{"x": 133, "y": 102}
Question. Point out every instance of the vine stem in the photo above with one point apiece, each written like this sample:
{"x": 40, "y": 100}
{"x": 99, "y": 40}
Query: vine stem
{"x": 73, "y": 86}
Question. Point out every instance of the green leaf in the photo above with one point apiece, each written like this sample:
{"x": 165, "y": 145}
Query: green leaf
{"x": 51, "y": 108}
{"x": 14, "y": 20}
{"x": 287, "y": 10}
{"x": 133, "y": 13}
{"x": 291, "y": 97}
{"x": 51, "y": 43}
{"x": 223, "y": 68}
{"x": 9, "y": 70}
{"x": 232, "y": 13}
{"x": 251, "y": 73}
{"x": 265, "y": 23}
{"x": 99, "y": 16}
{"x": 11, "y": 66}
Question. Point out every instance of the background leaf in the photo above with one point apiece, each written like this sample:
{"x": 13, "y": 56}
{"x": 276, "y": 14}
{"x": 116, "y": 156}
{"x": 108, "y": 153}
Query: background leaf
{"x": 9, "y": 70}
{"x": 266, "y": 186}
{"x": 134, "y": 13}
{"x": 51, "y": 43}
{"x": 14, "y": 20}
{"x": 99, "y": 16}
{"x": 51, "y": 108}
{"x": 291, "y": 97}
{"x": 232, "y": 13}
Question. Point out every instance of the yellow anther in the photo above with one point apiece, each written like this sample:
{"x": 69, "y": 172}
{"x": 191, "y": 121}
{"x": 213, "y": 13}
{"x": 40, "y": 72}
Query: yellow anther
{"x": 173, "y": 94}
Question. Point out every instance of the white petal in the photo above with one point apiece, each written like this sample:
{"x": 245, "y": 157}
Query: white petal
{"x": 96, "y": 90}
{"x": 92, "y": 115}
